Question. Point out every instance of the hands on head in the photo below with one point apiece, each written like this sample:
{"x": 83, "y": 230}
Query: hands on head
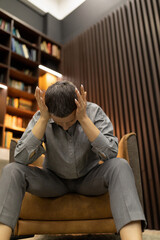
{"x": 81, "y": 103}
{"x": 39, "y": 95}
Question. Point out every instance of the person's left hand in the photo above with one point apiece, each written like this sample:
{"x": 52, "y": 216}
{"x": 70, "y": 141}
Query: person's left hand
{"x": 81, "y": 104}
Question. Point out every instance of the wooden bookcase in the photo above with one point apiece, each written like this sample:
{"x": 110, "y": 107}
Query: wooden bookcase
{"x": 22, "y": 50}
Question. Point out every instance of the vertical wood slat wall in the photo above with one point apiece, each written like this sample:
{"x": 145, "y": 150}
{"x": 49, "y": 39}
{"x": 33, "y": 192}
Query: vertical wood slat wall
{"x": 117, "y": 60}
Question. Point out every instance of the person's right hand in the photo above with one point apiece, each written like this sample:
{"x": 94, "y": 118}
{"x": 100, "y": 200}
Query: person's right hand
{"x": 39, "y": 95}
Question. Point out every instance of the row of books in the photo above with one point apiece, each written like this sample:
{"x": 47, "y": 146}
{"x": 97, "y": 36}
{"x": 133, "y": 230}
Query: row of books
{"x": 24, "y": 70}
{"x": 4, "y": 25}
{"x": 14, "y": 121}
{"x": 19, "y": 35}
{"x": 20, "y": 85}
{"x": 23, "y": 50}
{"x": 16, "y": 32}
{"x": 20, "y": 103}
{"x": 50, "y": 49}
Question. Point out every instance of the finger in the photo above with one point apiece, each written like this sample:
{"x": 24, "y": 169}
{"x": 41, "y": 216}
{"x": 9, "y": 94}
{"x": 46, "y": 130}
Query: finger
{"x": 77, "y": 103}
{"x": 37, "y": 93}
{"x": 85, "y": 96}
{"x": 39, "y": 96}
{"x": 78, "y": 95}
{"x": 82, "y": 89}
{"x": 84, "y": 93}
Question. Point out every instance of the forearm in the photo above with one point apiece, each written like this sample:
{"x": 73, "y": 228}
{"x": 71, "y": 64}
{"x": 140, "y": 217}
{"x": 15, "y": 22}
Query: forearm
{"x": 106, "y": 146}
{"x": 39, "y": 128}
{"x": 89, "y": 128}
{"x": 29, "y": 147}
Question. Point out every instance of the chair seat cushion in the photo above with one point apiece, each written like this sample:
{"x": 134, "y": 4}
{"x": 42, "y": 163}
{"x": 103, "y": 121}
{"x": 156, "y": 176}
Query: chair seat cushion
{"x": 68, "y": 207}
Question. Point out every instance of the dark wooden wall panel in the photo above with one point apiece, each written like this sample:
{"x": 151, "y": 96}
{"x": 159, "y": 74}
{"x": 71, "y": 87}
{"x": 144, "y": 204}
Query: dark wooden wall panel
{"x": 117, "y": 61}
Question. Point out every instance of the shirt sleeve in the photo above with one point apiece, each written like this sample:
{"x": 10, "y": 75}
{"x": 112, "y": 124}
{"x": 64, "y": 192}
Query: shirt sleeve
{"x": 106, "y": 145}
{"x": 29, "y": 148}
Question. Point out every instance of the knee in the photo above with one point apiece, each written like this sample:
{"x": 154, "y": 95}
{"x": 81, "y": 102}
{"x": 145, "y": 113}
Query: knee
{"x": 13, "y": 169}
{"x": 120, "y": 166}
{"x": 123, "y": 166}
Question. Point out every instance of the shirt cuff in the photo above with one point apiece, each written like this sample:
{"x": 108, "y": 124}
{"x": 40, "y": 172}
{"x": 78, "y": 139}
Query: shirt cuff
{"x": 32, "y": 142}
{"x": 99, "y": 142}
{"x": 104, "y": 146}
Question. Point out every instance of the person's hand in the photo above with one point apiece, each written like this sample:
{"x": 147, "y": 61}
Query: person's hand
{"x": 39, "y": 95}
{"x": 81, "y": 103}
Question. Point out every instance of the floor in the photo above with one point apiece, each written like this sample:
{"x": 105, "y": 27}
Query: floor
{"x": 147, "y": 235}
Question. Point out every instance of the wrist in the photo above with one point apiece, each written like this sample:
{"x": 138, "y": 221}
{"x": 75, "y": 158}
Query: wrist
{"x": 83, "y": 119}
{"x": 44, "y": 119}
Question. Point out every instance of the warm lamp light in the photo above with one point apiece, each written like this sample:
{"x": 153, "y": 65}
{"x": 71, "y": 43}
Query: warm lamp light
{"x": 57, "y": 74}
{"x": 3, "y": 86}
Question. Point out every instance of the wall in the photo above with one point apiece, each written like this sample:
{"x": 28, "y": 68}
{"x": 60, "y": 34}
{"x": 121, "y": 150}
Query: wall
{"x": 117, "y": 61}
{"x": 52, "y": 28}
{"x": 23, "y": 12}
{"x": 63, "y": 31}
{"x": 90, "y": 12}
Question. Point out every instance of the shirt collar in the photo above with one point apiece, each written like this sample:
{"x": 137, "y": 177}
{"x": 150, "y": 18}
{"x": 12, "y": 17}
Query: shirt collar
{"x": 51, "y": 120}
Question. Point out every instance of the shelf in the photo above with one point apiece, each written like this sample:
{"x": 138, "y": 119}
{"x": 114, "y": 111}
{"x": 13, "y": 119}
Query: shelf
{"x": 26, "y": 61}
{"x": 15, "y": 128}
{"x": 4, "y": 32}
{"x": 18, "y": 71}
{"x": 2, "y": 65}
{"x": 22, "y": 40}
{"x": 47, "y": 55}
{"x": 14, "y": 73}
{"x": 13, "y": 92}
{"x": 26, "y": 32}
{"x": 20, "y": 112}
{"x": 3, "y": 47}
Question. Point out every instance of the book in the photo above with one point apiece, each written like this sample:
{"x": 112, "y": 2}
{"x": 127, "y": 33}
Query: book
{"x": 25, "y": 102}
{"x": 17, "y": 33}
{"x": 13, "y": 47}
{"x": 55, "y": 51}
{"x": 49, "y": 46}
{"x": 3, "y": 24}
{"x": 8, "y": 137}
{"x": 25, "y": 50}
{"x": 18, "y": 48}
{"x": 13, "y": 121}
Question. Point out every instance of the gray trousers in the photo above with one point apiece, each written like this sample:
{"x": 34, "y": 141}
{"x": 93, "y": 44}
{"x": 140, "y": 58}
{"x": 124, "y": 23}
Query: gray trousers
{"x": 114, "y": 175}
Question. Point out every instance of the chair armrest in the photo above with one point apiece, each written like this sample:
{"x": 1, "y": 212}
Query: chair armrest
{"x": 128, "y": 149}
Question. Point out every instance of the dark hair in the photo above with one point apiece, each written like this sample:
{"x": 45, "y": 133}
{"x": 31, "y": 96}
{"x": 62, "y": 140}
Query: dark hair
{"x": 60, "y": 98}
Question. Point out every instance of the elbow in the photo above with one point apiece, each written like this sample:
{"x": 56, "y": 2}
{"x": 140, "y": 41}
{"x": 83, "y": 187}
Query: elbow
{"x": 113, "y": 152}
{"x": 20, "y": 157}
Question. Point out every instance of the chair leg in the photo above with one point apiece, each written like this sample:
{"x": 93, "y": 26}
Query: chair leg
{"x": 20, "y": 237}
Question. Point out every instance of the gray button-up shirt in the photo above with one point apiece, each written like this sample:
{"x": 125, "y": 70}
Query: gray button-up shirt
{"x": 69, "y": 154}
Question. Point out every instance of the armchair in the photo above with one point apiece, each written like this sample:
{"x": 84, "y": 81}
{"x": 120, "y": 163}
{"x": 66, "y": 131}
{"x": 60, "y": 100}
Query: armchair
{"x": 74, "y": 213}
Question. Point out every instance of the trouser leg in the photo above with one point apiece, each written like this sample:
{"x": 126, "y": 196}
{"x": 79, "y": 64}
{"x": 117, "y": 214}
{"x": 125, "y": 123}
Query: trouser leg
{"x": 16, "y": 179}
{"x": 116, "y": 177}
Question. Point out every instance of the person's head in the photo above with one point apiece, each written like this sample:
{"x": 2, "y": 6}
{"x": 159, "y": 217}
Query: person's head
{"x": 60, "y": 100}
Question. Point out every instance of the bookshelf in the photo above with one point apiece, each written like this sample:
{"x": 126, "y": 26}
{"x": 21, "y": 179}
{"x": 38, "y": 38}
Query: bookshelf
{"x": 22, "y": 50}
